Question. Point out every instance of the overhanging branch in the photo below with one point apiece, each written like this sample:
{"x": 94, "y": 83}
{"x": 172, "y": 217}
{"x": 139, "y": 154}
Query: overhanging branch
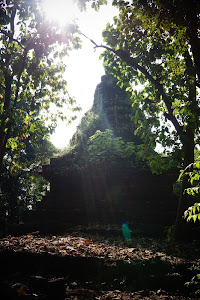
{"x": 19, "y": 76}
{"x": 124, "y": 55}
{"x": 11, "y": 38}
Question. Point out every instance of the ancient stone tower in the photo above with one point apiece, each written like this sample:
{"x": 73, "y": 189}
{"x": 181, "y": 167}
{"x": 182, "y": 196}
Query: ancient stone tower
{"x": 85, "y": 192}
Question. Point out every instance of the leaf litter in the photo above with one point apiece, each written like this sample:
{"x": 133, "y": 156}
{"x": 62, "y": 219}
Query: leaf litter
{"x": 110, "y": 248}
{"x": 81, "y": 246}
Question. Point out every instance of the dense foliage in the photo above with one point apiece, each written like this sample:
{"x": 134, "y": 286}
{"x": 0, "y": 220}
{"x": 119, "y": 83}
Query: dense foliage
{"x": 31, "y": 84}
{"x": 105, "y": 136}
{"x": 31, "y": 70}
{"x": 192, "y": 171}
{"x": 21, "y": 187}
{"x": 156, "y": 43}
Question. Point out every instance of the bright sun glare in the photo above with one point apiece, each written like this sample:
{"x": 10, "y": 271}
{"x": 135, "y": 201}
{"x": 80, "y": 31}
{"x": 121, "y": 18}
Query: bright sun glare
{"x": 61, "y": 11}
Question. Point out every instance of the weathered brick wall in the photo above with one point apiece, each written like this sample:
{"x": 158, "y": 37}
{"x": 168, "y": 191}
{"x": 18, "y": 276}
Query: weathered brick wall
{"x": 109, "y": 198}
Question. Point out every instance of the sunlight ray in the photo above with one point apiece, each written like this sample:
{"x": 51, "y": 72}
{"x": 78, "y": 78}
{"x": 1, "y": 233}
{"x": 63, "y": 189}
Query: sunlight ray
{"x": 60, "y": 11}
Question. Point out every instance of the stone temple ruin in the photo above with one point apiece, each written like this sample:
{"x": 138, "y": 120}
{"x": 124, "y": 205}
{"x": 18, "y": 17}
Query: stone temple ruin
{"x": 82, "y": 192}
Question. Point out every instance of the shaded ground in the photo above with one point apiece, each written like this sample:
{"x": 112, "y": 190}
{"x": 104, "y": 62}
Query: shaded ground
{"x": 95, "y": 263}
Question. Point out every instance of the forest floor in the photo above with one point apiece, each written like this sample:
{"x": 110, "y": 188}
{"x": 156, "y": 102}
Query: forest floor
{"x": 96, "y": 263}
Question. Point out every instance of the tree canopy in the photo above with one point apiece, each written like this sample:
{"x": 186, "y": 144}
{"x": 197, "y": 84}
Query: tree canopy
{"x": 20, "y": 186}
{"x": 156, "y": 44}
{"x": 31, "y": 71}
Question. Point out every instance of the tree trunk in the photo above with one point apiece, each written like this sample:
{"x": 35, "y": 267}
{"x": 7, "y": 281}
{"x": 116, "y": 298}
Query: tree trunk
{"x": 192, "y": 32}
{"x": 4, "y": 136}
{"x": 183, "y": 230}
{"x": 2, "y": 148}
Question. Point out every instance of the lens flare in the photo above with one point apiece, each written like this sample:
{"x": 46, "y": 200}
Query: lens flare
{"x": 126, "y": 232}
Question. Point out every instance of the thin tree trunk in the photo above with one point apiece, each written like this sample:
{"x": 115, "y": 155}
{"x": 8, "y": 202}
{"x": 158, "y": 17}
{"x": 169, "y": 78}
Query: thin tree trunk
{"x": 2, "y": 148}
{"x": 4, "y": 136}
{"x": 192, "y": 32}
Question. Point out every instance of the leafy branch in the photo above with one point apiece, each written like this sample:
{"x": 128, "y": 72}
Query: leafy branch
{"x": 125, "y": 56}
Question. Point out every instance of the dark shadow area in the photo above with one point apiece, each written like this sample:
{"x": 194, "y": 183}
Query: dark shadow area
{"x": 88, "y": 265}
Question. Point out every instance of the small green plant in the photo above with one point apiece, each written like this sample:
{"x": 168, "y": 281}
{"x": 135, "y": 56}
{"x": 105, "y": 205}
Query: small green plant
{"x": 169, "y": 230}
{"x": 195, "y": 281}
{"x": 193, "y": 172}
{"x": 193, "y": 212}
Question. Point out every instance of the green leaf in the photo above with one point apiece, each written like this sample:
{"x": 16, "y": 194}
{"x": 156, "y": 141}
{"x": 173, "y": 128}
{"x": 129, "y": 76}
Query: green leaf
{"x": 198, "y": 164}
